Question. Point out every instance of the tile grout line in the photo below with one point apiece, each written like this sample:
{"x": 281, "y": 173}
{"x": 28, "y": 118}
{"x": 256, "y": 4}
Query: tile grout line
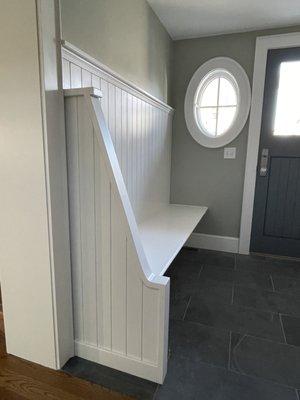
{"x": 229, "y": 354}
{"x": 232, "y": 293}
{"x": 190, "y": 299}
{"x": 272, "y": 282}
{"x": 201, "y": 269}
{"x": 155, "y": 393}
{"x": 282, "y": 328}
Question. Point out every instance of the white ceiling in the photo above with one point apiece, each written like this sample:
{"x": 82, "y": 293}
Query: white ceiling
{"x": 195, "y": 18}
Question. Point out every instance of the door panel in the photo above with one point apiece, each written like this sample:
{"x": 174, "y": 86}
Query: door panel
{"x": 276, "y": 214}
{"x": 282, "y": 210}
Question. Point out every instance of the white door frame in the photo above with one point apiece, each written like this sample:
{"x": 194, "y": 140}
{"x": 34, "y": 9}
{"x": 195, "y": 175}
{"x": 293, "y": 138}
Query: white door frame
{"x": 263, "y": 44}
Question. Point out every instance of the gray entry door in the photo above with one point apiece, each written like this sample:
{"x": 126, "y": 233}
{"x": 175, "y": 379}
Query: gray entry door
{"x": 276, "y": 218}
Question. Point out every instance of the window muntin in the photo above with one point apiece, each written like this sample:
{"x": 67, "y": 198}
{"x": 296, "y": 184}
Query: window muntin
{"x": 287, "y": 111}
{"x": 216, "y": 103}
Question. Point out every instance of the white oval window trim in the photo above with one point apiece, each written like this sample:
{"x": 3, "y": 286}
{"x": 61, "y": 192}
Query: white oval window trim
{"x": 235, "y": 76}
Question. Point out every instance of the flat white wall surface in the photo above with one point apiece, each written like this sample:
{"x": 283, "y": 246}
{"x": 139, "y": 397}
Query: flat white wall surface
{"x": 24, "y": 246}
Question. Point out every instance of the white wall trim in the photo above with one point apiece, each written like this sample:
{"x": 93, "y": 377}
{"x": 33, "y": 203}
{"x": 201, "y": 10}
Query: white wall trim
{"x": 213, "y": 242}
{"x": 119, "y": 361}
{"x": 263, "y": 45}
{"x": 70, "y": 50}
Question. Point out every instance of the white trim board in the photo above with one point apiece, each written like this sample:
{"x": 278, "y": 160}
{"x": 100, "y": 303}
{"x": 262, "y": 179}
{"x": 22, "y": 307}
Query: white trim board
{"x": 213, "y": 242}
{"x": 263, "y": 45}
{"x": 70, "y": 51}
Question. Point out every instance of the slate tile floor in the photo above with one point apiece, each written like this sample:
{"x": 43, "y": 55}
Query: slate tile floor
{"x": 234, "y": 332}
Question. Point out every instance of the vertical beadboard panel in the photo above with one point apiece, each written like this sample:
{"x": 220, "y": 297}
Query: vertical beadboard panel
{"x": 87, "y": 222}
{"x": 118, "y": 276}
{"x": 96, "y": 81}
{"x": 140, "y": 132}
{"x": 150, "y": 324}
{"x": 66, "y": 74}
{"x": 75, "y": 76}
{"x": 104, "y": 289}
{"x": 134, "y": 304}
{"x": 124, "y": 136}
{"x": 71, "y": 107}
{"x": 112, "y": 111}
{"x": 104, "y": 100}
{"x": 86, "y": 77}
{"x": 118, "y": 119}
{"x": 98, "y": 174}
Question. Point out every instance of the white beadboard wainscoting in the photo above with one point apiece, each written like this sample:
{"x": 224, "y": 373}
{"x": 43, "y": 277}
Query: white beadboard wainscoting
{"x": 121, "y": 309}
{"x": 140, "y": 126}
{"x": 124, "y": 232}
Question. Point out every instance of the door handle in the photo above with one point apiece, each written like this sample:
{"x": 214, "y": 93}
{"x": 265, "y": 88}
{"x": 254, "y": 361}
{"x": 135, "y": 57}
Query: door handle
{"x": 264, "y": 160}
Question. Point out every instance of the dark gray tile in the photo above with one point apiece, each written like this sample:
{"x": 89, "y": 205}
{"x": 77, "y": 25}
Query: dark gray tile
{"x": 216, "y": 258}
{"x": 291, "y": 326}
{"x": 287, "y": 285}
{"x": 266, "y": 300}
{"x": 253, "y": 279}
{"x": 208, "y": 257}
{"x": 273, "y": 266}
{"x": 266, "y": 359}
{"x": 112, "y": 379}
{"x": 242, "y": 277}
{"x": 235, "y": 318}
{"x": 199, "y": 343}
{"x": 194, "y": 381}
{"x": 184, "y": 270}
{"x": 217, "y": 273}
{"x": 211, "y": 290}
{"x": 178, "y": 306}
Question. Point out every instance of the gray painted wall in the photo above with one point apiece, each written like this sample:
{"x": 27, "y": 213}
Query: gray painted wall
{"x": 201, "y": 176}
{"x": 125, "y": 35}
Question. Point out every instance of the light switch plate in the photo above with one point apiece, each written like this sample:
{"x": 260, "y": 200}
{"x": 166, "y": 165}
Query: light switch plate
{"x": 230, "y": 153}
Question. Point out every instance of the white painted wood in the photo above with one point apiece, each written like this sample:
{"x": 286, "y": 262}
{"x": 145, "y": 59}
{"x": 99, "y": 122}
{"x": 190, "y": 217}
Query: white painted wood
{"x": 141, "y": 129}
{"x": 213, "y": 242}
{"x": 76, "y": 55}
{"x": 120, "y": 306}
{"x": 263, "y": 45}
{"x": 164, "y": 233}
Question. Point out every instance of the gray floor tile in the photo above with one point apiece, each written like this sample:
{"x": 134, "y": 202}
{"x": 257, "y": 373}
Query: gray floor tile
{"x": 273, "y": 266}
{"x": 194, "y": 381}
{"x": 266, "y": 300}
{"x": 287, "y": 285}
{"x": 130, "y": 385}
{"x": 178, "y": 306}
{"x": 291, "y": 326}
{"x": 214, "y": 291}
{"x": 242, "y": 277}
{"x": 235, "y": 318}
{"x": 199, "y": 343}
{"x": 208, "y": 257}
{"x": 266, "y": 359}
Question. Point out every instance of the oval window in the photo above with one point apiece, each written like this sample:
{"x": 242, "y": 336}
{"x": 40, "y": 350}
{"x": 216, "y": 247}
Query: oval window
{"x": 217, "y": 102}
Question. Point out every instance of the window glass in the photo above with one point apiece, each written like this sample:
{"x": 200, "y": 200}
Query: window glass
{"x": 216, "y": 103}
{"x": 287, "y": 111}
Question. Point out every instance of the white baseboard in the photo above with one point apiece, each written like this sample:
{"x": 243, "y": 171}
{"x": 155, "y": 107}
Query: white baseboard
{"x": 213, "y": 242}
{"x": 120, "y": 362}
